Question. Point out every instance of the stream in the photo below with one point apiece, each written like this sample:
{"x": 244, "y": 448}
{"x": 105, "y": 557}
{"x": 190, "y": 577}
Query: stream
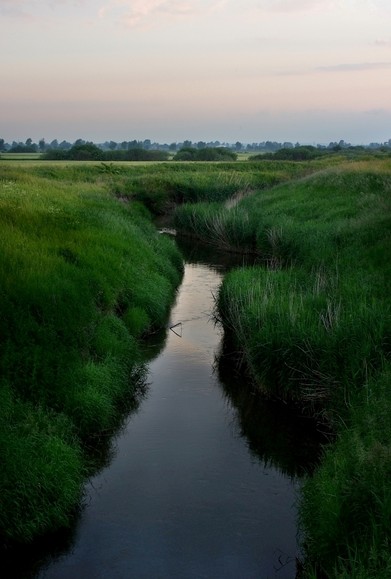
{"x": 203, "y": 477}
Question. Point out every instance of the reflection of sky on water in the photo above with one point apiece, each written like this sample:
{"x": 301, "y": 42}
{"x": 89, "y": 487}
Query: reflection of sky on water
{"x": 184, "y": 496}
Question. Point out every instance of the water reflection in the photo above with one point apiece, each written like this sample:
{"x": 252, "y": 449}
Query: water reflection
{"x": 278, "y": 434}
{"x": 200, "y": 480}
{"x": 196, "y": 252}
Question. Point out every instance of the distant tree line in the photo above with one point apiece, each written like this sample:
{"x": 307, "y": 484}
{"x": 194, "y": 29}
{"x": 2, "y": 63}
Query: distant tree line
{"x": 301, "y": 153}
{"x": 205, "y": 154}
{"x": 90, "y": 152}
{"x": 121, "y": 150}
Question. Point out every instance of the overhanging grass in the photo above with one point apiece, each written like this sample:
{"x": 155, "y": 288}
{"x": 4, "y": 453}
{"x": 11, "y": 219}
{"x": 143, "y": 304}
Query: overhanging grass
{"x": 327, "y": 311}
{"x": 346, "y": 506}
{"x": 42, "y": 468}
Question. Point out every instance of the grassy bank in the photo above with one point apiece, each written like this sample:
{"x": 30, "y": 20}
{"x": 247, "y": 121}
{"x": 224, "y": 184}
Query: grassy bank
{"x": 83, "y": 276}
{"x": 313, "y": 326}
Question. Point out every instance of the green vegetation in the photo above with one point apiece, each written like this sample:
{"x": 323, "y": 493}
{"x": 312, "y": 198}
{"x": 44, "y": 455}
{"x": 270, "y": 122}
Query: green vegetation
{"x": 313, "y": 326}
{"x": 83, "y": 276}
{"x": 205, "y": 154}
{"x": 311, "y": 321}
{"x": 232, "y": 224}
{"x": 346, "y": 506}
{"x": 20, "y": 156}
{"x": 302, "y": 153}
{"x": 91, "y": 152}
{"x": 166, "y": 185}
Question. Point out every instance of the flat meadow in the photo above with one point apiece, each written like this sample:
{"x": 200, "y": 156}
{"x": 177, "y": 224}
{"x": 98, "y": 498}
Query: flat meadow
{"x": 84, "y": 276}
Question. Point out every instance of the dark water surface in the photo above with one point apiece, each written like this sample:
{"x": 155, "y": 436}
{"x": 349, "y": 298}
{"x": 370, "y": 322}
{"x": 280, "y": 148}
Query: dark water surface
{"x": 203, "y": 481}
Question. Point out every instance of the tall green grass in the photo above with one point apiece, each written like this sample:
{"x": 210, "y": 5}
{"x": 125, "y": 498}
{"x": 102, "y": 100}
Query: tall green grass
{"x": 229, "y": 229}
{"x": 315, "y": 327}
{"x": 346, "y": 506}
{"x": 306, "y": 339}
{"x": 223, "y": 219}
{"x": 83, "y": 276}
{"x": 176, "y": 183}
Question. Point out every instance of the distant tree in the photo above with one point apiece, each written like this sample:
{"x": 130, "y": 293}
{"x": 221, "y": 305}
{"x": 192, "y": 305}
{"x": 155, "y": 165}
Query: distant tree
{"x": 201, "y": 145}
{"x": 172, "y": 146}
{"x": 133, "y": 144}
{"x": 186, "y": 154}
{"x": 208, "y": 154}
{"x": 54, "y": 144}
{"x": 291, "y": 154}
{"x": 205, "y": 154}
{"x": 65, "y": 145}
{"x": 112, "y": 145}
{"x": 85, "y": 152}
{"x": 124, "y": 145}
{"x": 79, "y": 142}
{"x": 238, "y": 146}
{"x": 145, "y": 155}
{"x": 55, "y": 154}
{"x": 216, "y": 154}
{"x": 186, "y": 144}
{"x": 147, "y": 144}
{"x": 2, "y": 145}
{"x": 21, "y": 148}
{"x": 29, "y": 142}
{"x": 42, "y": 145}
{"x": 272, "y": 145}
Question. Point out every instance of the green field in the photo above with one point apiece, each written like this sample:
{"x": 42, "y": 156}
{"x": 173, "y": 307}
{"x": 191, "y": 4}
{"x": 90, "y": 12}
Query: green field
{"x": 310, "y": 322}
{"x": 20, "y": 156}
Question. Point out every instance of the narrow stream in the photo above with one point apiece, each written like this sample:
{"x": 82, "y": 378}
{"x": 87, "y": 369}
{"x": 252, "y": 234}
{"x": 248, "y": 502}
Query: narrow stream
{"x": 203, "y": 481}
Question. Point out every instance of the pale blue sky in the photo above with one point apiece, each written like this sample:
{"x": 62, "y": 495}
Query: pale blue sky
{"x": 168, "y": 70}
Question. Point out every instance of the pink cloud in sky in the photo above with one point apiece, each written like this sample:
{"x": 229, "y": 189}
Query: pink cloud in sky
{"x": 321, "y": 5}
{"x": 295, "y": 5}
{"x": 354, "y": 67}
{"x": 33, "y": 9}
{"x": 134, "y": 13}
{"x": 383, "y": 43}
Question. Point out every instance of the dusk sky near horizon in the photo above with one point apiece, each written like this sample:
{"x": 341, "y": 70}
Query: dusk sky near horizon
{"x": 312, "y": 71}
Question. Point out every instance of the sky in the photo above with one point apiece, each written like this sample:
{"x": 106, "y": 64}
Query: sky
{"x": 312, "y": 71}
